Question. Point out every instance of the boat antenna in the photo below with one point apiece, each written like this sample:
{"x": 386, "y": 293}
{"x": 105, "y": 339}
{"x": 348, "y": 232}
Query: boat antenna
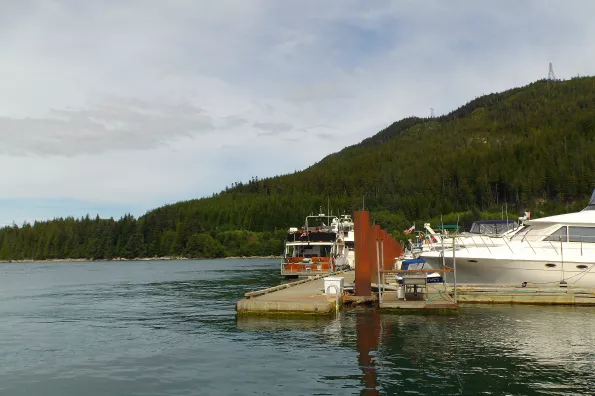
{"x": 442, "y": 224}
{"x": 457, "y": 230}
{"x": 506, "y": 204}
{"x": 328, "y": 205}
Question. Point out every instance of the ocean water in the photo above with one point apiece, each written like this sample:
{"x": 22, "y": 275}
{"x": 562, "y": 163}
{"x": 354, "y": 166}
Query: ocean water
{"x": 169, "y": 328}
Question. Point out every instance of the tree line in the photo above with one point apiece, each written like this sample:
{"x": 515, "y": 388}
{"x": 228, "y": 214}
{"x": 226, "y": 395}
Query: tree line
{"x": 106, "y": 239}
{"x": 528, "y": 148}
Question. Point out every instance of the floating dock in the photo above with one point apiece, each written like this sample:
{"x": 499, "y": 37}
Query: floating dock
{"x": 308, "y": 297}
{"x": 305, "y": 296}
{"x": 432, "y": 298}
{"x": 414, "y": 291}
{"x": 492, "y": 294}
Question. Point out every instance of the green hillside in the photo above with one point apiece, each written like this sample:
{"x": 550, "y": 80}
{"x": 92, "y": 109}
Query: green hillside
{"x": 526, "y": 148}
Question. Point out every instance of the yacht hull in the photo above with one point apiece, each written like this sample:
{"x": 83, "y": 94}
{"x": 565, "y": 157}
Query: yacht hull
{"x": 511, "y": 271}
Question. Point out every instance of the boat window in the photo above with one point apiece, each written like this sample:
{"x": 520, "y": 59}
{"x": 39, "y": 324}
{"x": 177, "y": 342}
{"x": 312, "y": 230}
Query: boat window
{"x": 558, "y": 235}
{"x": 581, "y": 234}
{"x": 350, "y": 244}
{"x": 290, "y": 251}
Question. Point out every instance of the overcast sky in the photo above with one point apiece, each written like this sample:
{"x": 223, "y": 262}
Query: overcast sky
{"x": 114, "y": 106}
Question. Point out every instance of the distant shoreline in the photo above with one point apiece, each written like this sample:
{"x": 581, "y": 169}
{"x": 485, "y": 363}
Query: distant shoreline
{"x": 137, "y": 259}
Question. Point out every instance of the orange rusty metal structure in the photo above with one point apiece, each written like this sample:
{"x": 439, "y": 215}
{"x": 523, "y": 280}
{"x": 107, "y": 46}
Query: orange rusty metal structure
{"x": 363, "y": 266}
{"x": 366, "y": 255}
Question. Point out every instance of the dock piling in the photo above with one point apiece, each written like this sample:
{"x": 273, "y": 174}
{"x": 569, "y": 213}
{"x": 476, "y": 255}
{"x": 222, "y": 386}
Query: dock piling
{"x": 363, "y": 287}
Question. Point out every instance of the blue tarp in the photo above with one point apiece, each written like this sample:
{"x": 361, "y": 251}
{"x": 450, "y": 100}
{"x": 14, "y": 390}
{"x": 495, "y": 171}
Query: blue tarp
{"x": 414, "y": 261}
{"x": 406, "y": 263}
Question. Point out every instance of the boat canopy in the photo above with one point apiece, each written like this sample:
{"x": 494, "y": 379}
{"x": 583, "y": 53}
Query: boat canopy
{"x": 493, "y": 227}
{"x": 406, "y": 263}
{"x": 448, "y": 227}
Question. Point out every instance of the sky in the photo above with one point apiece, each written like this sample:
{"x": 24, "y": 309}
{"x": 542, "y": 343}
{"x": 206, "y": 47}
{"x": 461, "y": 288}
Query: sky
{"x": 114, "y": 106}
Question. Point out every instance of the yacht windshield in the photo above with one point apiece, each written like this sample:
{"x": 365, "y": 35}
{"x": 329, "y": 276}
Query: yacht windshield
{"x": 493, "y": 227}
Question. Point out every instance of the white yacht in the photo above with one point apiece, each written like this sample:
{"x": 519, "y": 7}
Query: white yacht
{"x": 555, "y": 250}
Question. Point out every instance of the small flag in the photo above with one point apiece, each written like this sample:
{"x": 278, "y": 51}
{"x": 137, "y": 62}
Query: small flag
{"x": 409, "y": 230}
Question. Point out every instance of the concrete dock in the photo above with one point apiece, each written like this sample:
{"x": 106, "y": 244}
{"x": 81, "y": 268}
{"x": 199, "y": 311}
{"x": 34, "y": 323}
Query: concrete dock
{"x": 307, "y": 297}
{"x": 435, "y": 297}
{"x": 414, "y": 291}
{"x": 492, "y": 294}
{"x": 301, "y": 297}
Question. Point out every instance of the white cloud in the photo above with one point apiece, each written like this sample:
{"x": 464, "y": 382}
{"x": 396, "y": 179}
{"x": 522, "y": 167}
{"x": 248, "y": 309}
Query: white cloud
{"x": 137, "y": 103}
{"x": 117, "y": 125}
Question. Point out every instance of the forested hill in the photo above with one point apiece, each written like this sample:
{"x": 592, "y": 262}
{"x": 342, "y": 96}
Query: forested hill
{"x": 526, "y": 148}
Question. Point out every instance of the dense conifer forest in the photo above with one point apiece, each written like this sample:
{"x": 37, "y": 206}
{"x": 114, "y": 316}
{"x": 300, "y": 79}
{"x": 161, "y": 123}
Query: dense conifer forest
{"x": 525, "y": 148}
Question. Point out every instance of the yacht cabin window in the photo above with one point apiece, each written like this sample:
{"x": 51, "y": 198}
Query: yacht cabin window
{"x": 581, "y": 234}
{"x": 559, "y": 235}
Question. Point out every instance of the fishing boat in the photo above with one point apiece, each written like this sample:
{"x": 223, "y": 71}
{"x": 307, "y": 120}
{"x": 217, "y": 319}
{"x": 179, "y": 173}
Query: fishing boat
{"x": 555, "y": 250}
{"x": 323, "y": 246}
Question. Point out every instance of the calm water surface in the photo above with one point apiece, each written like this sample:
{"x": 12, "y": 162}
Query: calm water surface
{"x": 169, "y": 328}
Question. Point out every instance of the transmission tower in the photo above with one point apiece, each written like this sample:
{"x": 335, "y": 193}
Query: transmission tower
{"x": 431, "y": 112}
{"x": 551, "y": 76}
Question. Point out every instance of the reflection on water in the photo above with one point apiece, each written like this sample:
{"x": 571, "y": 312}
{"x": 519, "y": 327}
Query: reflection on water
{"x": 517, "y": 350}
{"x": 170, "y": 328}
{"x": 368, "y": 339}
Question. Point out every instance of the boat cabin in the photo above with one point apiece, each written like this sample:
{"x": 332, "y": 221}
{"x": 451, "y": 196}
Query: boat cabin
{"x": 311, "y": 250}
{"x": 571, "y": 227}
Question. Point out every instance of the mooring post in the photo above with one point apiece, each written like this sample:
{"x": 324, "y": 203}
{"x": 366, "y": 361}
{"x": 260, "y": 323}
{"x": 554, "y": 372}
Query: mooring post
{"x": 373, "y": 238}
{"x": 363, "y": 265}
{"x": 454, "y": 268}
{"x": 384, "y": 249}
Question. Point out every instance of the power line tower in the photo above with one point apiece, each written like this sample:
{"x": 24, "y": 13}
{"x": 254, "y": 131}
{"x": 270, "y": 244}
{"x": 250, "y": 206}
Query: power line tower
{"x": 551, "y": 76}
{"x": 431, "y": 112}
